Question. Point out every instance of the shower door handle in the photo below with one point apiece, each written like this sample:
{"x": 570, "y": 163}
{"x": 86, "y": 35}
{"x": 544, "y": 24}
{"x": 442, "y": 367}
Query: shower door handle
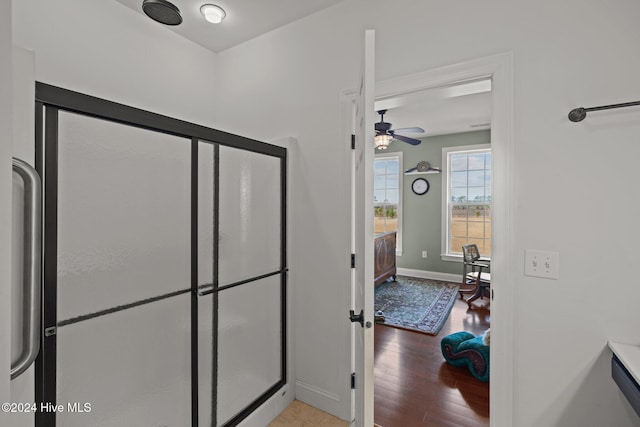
{"x": 205, "y": 289}
{"x": 32, "y": 266}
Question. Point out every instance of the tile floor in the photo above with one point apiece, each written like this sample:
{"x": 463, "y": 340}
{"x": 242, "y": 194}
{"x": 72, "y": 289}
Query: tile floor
{"x": 300, "y": 414}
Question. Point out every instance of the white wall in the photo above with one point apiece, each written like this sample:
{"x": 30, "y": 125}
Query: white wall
{"x": 105, "y": 49}
{"x": 574, "y": 182}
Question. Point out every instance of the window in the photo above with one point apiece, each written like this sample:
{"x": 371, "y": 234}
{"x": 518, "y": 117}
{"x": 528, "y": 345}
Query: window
{"x": 387, "y": 199}
{"x": 467, "y": 200}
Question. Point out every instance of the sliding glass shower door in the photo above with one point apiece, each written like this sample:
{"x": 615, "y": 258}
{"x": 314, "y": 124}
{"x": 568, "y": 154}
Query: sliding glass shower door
{"x": 123, "y": 278}
{"x": 243, "y": 294}
{"x": 164, "y": 268}
{"x": 249, "y": 280}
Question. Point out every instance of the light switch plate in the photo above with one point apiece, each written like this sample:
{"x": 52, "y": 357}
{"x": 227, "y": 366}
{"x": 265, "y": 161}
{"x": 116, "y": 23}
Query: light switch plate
{"x": 544, "y": 264}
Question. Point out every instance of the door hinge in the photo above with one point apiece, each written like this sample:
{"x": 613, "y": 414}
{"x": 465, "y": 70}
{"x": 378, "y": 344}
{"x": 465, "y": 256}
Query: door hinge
{"x": 353, "y": 142}
{"x": 353, "y": 381}
{"x": 491, "y": 294}
{"x": 353, "y": 260}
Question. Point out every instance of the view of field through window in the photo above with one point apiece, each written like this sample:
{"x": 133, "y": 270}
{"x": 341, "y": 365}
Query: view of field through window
{"x": 386, "y": 194}
{"x": 470, "y": 200}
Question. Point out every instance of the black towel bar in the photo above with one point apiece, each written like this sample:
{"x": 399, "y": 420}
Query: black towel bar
{"x": 578, "y": 114}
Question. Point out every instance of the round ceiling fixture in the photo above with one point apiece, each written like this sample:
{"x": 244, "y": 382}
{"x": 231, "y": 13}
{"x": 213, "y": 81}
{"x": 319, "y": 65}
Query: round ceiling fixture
{"x": 162, "y": 11}
{"x": 212, "y": 13}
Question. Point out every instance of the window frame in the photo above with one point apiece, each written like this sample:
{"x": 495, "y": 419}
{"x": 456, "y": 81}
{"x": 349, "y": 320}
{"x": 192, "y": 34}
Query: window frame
{"x": 399, "y": 155}
{"x": 445, "y": 253}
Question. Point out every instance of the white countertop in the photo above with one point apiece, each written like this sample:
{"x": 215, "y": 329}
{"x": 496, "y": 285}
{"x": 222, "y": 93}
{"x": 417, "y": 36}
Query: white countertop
{"x": 629, "y": 355}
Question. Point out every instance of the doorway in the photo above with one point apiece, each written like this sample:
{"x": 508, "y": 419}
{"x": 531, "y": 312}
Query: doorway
{"x": 449, "y": 141}
{"x": 499, "y": 69}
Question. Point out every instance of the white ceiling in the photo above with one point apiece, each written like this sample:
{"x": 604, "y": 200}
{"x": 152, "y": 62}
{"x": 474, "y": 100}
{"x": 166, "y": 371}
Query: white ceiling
{"x": 438, "y": 111}
{"x": 245, "y": 19}
{"x": 455, "y": 109}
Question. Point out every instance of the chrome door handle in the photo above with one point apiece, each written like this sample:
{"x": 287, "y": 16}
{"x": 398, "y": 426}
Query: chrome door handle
{"x": 32, "y": 266}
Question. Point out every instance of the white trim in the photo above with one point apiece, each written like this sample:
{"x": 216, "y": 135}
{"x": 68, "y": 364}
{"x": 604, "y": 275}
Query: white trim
{"x": 433, "y": 275}
{"x": 458, "y": 258}
{"x": 500, "y": 68}
{"x": 399, "y": 154}
{"x": 452, "y": 258}
{"x": 473, "y": 147}
{"x": 446, "y": 255}
{"x": 319, "y": 398}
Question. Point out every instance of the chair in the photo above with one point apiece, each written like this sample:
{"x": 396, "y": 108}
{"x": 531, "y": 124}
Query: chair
{"x": 473, "y": 274}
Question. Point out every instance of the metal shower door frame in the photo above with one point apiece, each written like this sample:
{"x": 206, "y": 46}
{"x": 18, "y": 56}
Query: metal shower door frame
{"x": 49, "y": 101}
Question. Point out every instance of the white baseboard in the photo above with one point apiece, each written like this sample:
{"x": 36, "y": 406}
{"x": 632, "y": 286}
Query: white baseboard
{"x": 269, "y": 409}
{"x": 318, "y": 398}
{"x": 433, "y": 275}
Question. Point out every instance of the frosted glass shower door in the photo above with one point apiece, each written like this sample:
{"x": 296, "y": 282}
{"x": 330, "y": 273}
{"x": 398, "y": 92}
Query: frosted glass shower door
{"x": 250, "y": 346}
{"x": 123, "y": 214}
{"x": 164, "y": 273}
{"x": 250, "y": 292}
{"x": 122, "y": 282}
{"x": 250, "y": 229}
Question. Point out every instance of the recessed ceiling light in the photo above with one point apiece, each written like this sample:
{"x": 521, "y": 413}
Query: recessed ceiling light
{"x": 212, "y": 13}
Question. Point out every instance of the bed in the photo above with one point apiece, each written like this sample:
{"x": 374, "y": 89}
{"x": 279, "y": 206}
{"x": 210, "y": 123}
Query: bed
{"x": 385, "y": 257}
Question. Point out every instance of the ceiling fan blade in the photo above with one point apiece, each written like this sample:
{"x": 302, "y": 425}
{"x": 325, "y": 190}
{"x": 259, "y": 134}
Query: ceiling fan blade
{"x": 406, "y": 139}
{"x": 410, "y": 130}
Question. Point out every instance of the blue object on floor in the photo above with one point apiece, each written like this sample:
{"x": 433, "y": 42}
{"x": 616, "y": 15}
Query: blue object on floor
{"x": 465, "y": 349}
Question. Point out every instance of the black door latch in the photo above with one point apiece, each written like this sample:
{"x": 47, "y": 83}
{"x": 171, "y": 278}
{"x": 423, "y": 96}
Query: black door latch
{"x": 357, "y": 317}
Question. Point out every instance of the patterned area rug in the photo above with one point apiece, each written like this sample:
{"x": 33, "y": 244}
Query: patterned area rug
{"x": 421, "y": 305}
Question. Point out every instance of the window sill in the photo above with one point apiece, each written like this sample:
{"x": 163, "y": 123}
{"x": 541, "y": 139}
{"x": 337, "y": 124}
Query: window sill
{"x": 458, "y": 258}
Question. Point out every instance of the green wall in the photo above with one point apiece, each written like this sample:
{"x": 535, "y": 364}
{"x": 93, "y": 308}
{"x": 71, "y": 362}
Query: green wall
{"x": 421, "y": 215}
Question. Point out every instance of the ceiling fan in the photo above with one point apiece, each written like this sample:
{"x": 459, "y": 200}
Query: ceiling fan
{"x": 384, "y": 133}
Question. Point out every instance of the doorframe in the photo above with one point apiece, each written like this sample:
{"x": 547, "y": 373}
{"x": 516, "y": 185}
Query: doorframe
{"x": 500, "y": 69}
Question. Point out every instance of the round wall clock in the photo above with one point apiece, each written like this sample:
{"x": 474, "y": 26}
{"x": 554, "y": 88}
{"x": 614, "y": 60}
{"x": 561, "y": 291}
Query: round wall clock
{"x": 420, "y": 186}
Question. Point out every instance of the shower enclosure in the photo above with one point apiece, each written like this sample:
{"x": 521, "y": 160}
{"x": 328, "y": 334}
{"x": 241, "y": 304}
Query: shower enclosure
{"x": 164, "y": 268}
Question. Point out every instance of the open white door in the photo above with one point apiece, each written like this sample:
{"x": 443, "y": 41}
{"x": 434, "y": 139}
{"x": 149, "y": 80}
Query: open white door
{"x": 362, "y": 239}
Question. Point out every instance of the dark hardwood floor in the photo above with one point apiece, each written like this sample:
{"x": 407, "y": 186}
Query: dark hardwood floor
{"x": 415, "y": 387}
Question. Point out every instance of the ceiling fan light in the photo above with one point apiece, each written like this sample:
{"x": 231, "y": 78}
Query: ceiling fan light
{"x": 212, "y": 13}
{"x": 382, "y": 141}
